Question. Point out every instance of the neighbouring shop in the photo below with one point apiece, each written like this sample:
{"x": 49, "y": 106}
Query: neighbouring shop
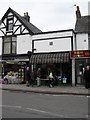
{"x": 14, "y": 67}
{"x": 59, "y": 63}
{"x": 81, "y": 58}
{"x": 14, "y": 70}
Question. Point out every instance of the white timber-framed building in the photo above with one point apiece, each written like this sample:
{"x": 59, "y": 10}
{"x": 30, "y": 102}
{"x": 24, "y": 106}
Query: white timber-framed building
{"x": 50, "y": 50}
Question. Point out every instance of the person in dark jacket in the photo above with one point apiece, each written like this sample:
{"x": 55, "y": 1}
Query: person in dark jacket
{"x": 32, "y": 78}
{"x": 38, "y": 77}
{"x": 87, "y": 77}
{"x": 27, "y": 76}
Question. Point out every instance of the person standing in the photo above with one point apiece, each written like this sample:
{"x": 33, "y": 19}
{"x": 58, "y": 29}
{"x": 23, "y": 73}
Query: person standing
{"x": 87, "y": 77}
{"x": 51, "y": 79}
{"x": 38, "y": 77}
{"x": 32, "y": 78}
{"x": 27, "y": 76}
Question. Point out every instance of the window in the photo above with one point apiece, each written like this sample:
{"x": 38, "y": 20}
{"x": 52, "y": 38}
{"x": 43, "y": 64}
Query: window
{"x": 13, "y": 45}
{"x": 10, "y": 24}
{"x": 50, "y": 43}
{"x": 9, "y": 45}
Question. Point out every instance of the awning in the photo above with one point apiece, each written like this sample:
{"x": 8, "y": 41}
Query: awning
{"x": 50, "y": 58}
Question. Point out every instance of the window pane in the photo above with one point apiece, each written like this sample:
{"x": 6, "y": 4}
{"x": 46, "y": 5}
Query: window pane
{"x": 14, "y": 39}
{"x": 7, "y": 45}
{"x": 7, "y": 48}
{"x": 7, "y": 39}
{"x": 10, "y": 21}
{"x": 13, "y": 44}
{"x": 13, "y": 47}
{"x": 10, "y": 27}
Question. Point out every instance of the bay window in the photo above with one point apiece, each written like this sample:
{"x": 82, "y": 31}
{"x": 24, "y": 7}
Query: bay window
{"x": 9, "y": 45}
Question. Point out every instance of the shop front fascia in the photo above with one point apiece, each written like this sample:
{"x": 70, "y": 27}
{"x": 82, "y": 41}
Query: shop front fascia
{"x": 80, "y": 59}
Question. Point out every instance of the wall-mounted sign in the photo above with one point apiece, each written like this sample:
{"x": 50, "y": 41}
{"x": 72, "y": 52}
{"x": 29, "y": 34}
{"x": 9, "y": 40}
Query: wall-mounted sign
{"x": 80, "y": 54}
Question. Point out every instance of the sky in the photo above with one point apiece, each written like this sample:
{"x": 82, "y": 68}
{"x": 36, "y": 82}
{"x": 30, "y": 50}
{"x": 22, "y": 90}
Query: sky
{"x": 47, "y": 15}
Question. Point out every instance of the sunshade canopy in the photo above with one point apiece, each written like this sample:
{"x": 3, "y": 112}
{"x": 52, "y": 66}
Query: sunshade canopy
{"x": 50, "y": 58}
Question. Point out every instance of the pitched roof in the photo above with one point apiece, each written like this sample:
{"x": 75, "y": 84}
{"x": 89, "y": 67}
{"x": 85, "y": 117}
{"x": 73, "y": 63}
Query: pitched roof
{"x": 29, "y": 26}
{"x": 82, "y": 25}
{"x": 0, "y": 22}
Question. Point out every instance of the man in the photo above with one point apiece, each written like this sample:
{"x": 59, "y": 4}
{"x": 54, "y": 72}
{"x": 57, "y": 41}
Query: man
{"x": 32, "y": 78}
{"x": 38, "y": 77}
{"x": 27, "y": 76}
{"x": 87, "y": 77}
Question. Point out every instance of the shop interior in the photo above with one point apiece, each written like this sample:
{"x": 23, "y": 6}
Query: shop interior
{"x": 60, "y": 70}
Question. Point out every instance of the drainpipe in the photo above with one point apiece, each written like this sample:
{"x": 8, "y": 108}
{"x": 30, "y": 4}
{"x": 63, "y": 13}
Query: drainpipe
{"x": 75, "y": 42}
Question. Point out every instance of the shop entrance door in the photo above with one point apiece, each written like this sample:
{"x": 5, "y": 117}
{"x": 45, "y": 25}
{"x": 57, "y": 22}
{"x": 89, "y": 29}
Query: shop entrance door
{"x": 80, "y": 68}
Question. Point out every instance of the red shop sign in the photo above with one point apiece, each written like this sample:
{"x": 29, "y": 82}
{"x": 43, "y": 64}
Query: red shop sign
{"x": 80, "y": 54}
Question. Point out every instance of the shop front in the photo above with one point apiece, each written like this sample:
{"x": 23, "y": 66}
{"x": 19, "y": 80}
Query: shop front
{"x": 82, "y": 59}
{"x": 13, "y": 68}
{"x": 59, "y": 63}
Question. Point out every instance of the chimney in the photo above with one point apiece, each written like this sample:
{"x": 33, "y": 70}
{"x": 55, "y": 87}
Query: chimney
{"x": 27, "y": 17}
{"x": 78, "y": 14}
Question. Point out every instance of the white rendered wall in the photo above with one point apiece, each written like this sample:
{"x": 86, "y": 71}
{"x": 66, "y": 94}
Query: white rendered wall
{"x": 62, "y": 44}
{"x": 24, "y": 44}
{"x": 61, "y": 41}
{"x": 82, "y": 41}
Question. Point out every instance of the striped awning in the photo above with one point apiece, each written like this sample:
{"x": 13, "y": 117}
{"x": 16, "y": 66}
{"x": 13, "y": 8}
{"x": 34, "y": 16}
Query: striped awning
{"x": 50, "y": 58}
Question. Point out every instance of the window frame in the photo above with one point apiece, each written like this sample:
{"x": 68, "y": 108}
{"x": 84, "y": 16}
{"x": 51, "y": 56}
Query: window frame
{"x": 9, "y": 27}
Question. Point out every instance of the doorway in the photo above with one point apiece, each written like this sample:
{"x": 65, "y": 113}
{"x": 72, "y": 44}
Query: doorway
{"x": 80, "y": 68}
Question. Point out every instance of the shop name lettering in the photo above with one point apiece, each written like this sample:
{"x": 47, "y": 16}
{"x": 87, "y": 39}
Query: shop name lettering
{"x": 81, "y": 54}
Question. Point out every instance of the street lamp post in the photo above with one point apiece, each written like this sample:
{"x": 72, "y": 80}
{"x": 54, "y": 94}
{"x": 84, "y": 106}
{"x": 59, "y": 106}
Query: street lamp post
{"x": 29, "y": 55}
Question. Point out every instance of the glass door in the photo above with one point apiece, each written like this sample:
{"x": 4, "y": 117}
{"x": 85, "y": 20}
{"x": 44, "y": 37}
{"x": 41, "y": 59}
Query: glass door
{"x": 80, "y": 68}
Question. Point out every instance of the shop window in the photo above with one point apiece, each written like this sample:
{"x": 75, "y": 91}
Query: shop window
{"x": 9, "y": 45}
{"x": 9, "y": 24}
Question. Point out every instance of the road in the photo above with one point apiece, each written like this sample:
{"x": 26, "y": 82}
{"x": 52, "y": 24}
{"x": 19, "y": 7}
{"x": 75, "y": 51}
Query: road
{"x": 35, "y": 105}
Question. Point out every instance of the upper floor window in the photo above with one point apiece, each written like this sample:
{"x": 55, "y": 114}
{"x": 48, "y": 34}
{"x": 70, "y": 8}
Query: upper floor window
{"x": 9, "y": 45}
{"x": 9, "y": 24}
{"x": 50, "y": 43}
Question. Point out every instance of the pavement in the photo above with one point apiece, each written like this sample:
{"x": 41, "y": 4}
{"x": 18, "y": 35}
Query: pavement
{"x": 71, "y": 90}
